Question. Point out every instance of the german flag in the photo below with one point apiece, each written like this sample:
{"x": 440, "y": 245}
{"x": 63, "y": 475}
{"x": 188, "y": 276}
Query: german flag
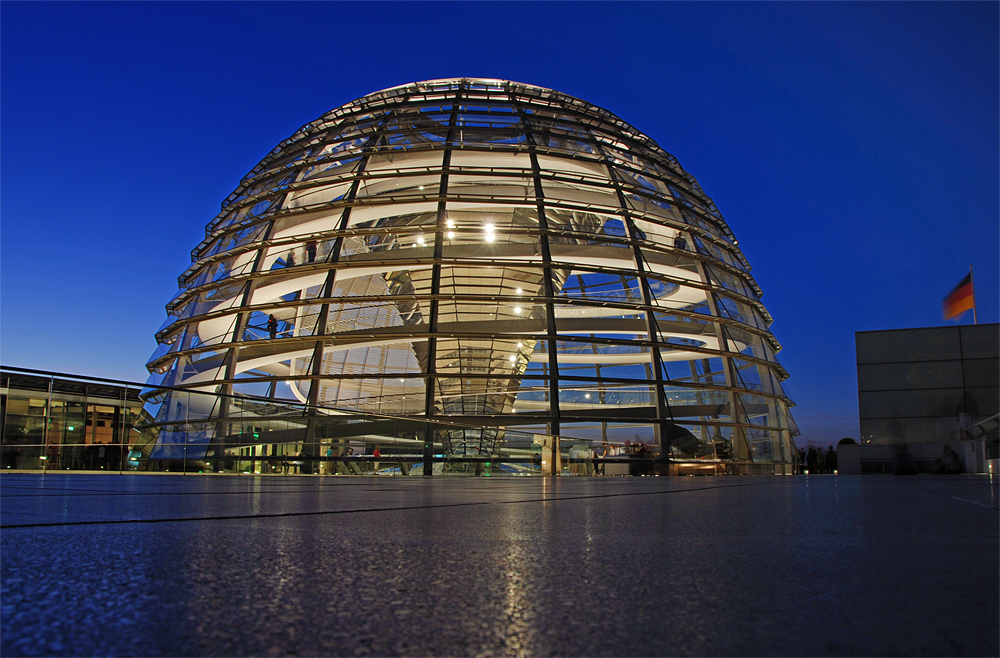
{"x": 960, "y": 299}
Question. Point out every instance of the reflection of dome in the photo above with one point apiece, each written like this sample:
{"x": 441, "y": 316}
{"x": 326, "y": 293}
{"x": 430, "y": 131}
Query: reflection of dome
{"x": 496, "y": 254}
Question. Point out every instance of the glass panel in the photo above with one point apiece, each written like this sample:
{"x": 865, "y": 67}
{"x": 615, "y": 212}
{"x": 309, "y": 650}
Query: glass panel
{"x": 532, "y": 397}
{"x": 465, "y": 396}
{"x": 579, "y": 194}
{"x": 730, "y": 282}
{"x": 238, "y": 237}
{"x": 369, "y": 315}
{"x": 490, "y": 227}
{"x": 400, "y": 187}
{"x": 404, "y": 395}
{"x": 371, "y": 359}
{"x": 620, "y": 288}
{"x": 318, "y": 195}
{"x": 706, "y": 404}
{"x": 752, "y": 376}
{"x": 573, "y": 397}
{"x": 654, "y": 206}
{"x": 741, "y": 312}
{"x": 210, "y": 300}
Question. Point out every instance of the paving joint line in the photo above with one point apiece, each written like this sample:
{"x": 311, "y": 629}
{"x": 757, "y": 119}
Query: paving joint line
{"x": 359, "y": 511}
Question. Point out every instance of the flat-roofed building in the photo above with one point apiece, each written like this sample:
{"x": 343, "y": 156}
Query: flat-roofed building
{"x": 931, "y": 386}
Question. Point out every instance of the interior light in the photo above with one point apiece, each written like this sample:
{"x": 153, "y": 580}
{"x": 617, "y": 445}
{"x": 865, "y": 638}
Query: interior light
{"x": 518, "y": 291}
{"x": 489, "y": 228}
{"x": 420, "y": 240}
{"x": 587, "y": 396}
{"x": 517, "y": 309}
{"x": 490, "y": 237}
{"x": 421, "y": 187}
{"x": 520, "y": 344}
{"x": 513, "y": 358}
{"x": 70, "y": 428}
{"x": 451, "y": 234}
{"x": 450, "y": 224}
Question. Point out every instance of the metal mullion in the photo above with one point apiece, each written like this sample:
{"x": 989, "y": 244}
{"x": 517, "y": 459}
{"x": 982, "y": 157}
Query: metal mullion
{"x": 773, "y": 399}
{"x": 300, "y": 185}
{"x": 310, "y": 448}
{"x": 584, "y": 138}
{"x": 549, "y": 290}
{"x": 751, "y": 358}
{"x": 431, "y": 381}
{"x": 225, "y": 390}
{"x": 410, "y": 376}
{"x": 707, "y": 236}
{"x": 334, "y": 258}
{"x": 198, "y": 259}
{"x": 728, "y": 367}
{"x": 665, "y": 176}
{"x": 652, "y": 153}
{"x": 662, "y": 405}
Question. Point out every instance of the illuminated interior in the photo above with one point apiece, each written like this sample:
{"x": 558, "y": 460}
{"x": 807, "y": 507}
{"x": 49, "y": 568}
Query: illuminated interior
{"x": 487, "y": 253}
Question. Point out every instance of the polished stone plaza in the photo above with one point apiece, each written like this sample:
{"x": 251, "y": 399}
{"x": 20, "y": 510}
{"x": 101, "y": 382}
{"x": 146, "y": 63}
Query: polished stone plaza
{"x": 151, "y": 565}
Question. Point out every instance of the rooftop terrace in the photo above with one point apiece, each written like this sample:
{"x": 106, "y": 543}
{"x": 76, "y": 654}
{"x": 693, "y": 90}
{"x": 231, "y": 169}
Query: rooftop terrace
{"x": 223, "y": 565}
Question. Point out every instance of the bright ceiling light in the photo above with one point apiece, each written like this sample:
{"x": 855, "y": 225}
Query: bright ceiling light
{"x": 517, "y": 309}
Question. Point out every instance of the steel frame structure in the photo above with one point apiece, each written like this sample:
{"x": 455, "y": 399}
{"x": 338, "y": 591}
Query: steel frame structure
{"x": 492, "y": 253}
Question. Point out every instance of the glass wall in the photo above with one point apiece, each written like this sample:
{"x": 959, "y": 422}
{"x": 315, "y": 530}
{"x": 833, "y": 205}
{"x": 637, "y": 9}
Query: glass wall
{"x": 482, "y": 254}
{"x": 54, "y": 423}
{"x": 50, "y": 422}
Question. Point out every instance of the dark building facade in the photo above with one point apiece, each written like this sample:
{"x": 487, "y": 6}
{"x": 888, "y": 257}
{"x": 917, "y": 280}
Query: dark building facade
{"x": 927, "y": 385}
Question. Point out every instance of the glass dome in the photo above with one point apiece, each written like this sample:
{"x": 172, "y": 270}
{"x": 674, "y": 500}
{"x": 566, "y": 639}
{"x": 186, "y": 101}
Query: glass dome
{"x": 492, "y": 255}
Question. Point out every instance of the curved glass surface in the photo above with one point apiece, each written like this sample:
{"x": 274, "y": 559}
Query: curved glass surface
{"x": 486, "y": 253}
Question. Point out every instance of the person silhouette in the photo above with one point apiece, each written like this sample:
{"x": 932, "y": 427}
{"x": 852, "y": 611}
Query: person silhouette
{"x": 903, "y": 462}
{"x": 830, "y": 460}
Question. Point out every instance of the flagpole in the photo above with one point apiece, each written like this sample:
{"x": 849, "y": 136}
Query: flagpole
{"x": 972, "y": 282}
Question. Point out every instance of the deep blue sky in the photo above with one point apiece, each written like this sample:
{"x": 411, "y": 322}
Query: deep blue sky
{"x": 852, "y": 147}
